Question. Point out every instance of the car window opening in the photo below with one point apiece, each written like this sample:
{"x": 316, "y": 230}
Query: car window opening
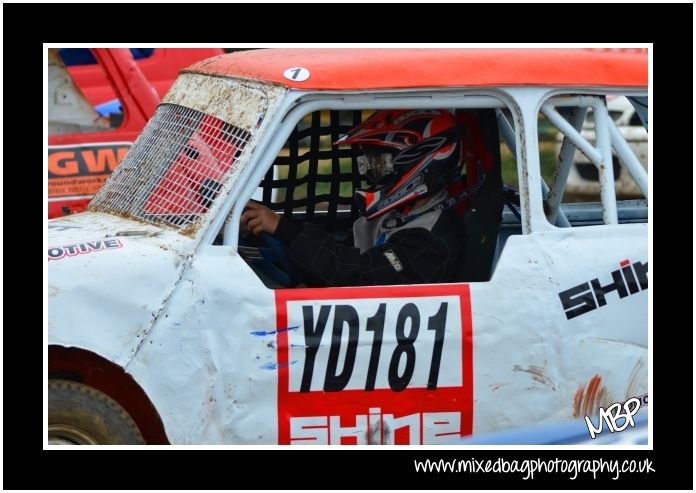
{"x": 316, "y": 181}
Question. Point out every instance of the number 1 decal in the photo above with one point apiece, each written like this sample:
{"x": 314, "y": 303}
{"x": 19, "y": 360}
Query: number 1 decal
{"x": 296, "y": 74}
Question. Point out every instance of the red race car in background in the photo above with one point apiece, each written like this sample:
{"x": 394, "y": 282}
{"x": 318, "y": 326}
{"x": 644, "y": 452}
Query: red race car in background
{"x": 86, "y": 145}
{"x": 160, "y": 66}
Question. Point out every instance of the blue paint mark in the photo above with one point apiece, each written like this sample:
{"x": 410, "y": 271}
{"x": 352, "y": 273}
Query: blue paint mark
{"x": 275, "y": 366}
{"x": 177, "y": 324}
{"x": 258, "y": 357}
{"x": 262, "y": 333}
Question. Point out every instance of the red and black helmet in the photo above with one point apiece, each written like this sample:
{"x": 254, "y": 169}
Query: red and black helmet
{"x": 407, "y": 155}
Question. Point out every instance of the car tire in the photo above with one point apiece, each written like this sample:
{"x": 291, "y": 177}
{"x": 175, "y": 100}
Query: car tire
{"x": 81, "y": 415}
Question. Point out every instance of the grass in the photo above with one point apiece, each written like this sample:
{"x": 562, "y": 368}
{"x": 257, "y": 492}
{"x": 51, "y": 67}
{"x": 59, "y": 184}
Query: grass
{"x": 547, "y": 157}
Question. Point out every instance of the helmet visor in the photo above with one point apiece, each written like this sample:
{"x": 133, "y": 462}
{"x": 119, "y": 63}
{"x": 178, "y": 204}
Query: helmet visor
{"x": 375, "y": 166}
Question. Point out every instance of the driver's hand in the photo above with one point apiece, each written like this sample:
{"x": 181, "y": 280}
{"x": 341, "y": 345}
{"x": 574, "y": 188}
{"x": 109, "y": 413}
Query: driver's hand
{"x": 257, "y": 219}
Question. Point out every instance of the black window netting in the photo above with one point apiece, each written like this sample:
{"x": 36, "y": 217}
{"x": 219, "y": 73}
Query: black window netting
{"x": 312, "y": 177}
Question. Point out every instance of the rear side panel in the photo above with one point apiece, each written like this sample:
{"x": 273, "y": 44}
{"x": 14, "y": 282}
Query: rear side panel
{"x": 561, "y": 329}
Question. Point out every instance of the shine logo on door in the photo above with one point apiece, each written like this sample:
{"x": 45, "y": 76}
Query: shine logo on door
{"x": 374, "y": 365}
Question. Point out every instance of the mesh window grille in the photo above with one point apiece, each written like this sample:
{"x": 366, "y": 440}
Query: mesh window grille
{"x": 313, "y": 177}
{"x": 175, "y": 169}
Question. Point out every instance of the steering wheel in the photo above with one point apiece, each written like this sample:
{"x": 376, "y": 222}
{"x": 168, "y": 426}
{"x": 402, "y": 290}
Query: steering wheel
{"x": 273, "y": 259}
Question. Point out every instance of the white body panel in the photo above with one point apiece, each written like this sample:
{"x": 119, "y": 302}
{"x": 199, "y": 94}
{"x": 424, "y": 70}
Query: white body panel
{"x": 530, "y": 360}
{"x": 207, "y": 365}
{"x": 216, "y": 374}
{"x": 107, "y": 288}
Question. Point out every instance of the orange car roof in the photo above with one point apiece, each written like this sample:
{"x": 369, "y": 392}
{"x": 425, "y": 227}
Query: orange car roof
{"x": 398, "y": 68}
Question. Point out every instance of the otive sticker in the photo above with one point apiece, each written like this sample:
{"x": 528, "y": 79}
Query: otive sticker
{"x": 59, "y": 252}
{"x": 374, "y": 365}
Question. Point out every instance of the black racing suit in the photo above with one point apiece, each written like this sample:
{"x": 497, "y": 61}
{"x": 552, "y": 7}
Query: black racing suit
{"x": 414, "y": 255}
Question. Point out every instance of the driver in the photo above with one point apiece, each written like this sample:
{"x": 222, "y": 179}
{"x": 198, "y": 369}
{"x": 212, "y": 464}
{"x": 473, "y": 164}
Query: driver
{"x": 406, "y": 234}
